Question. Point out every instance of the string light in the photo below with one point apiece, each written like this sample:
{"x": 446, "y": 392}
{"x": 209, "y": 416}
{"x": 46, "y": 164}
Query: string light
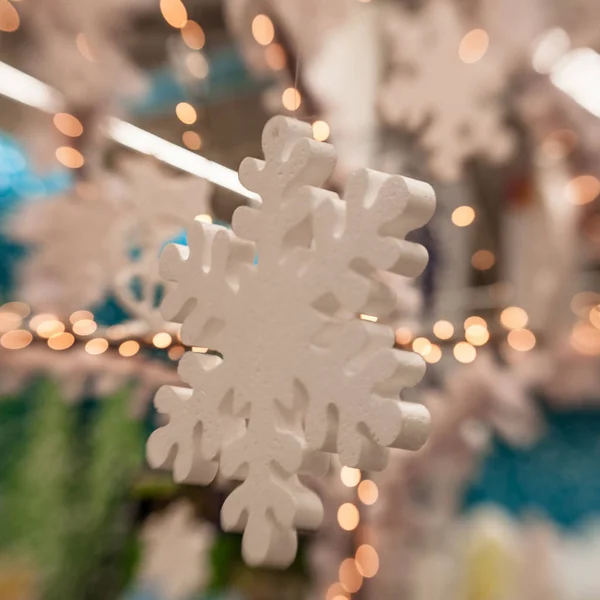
{"x": 349, "y": 576}
{"x": 369, "y": 318}
{"x": 69, "y": 157}
{"x": 368, "y": 492}
{"x": 192, "y": 140}
{"x": 403, "y": 336}
{"x": 443, "y": 330}
{"x": 478, "y": 335}
{"x": 473, "y": 46}
{"x": 49, "y": 328}
{"x": 176, "y": 352}
{"x": 84, "y": 327}
{"x": 186, "y": 113}
{"x": 483, "y": 260}
{"x": 129, "y": 348}
{"x": 9, "y": 320}
{"x": 193, "y": 35}
{"x": 513, "y": 317}
{"x": 16, "y": 339}
{"x": 174, "y": 13}
{"x": 96, "y": 346}
{"x": 80, "y": 315}
{"x": 434, "y": 355}
{"x": 9, "y": 17}
{"x": 162, "y": 340}
{"x": 350, "y": 477}
{"x": 320, "y": 131}
{"x": 204, "y": 219}
{"x": 36, "y": 321}
{"x": 61, "y": 341}
{"x": 463, "y": 216}
{"x": 199, "y": 350}
{"x": 464, "y": 352}
{"x": 348, "y": 517}
{"x": 197, "y": 65}
{"x": 291, "y": 99}
{"x": 522, "y": 340}
{"x": 421, "y": 346}
{"x": 263, "y": 30}
{"x": 68, "y": 124}
{"x": 275, "y": 57}
{"x": 583, "y": 189}
{"x": 367, "y": 561}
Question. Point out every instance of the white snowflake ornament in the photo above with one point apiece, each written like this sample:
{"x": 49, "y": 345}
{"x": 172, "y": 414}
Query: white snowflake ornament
{"x": 300, "y": 374}
{"x": 454, "y": 105}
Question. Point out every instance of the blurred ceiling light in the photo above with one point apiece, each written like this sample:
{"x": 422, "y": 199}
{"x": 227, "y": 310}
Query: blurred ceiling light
{"x": 68, "y": 124}
{"x": 174, "y": 13}
{"x": 513, "y": 317}
{"x": 16, "y": 339}
{"x": 443, "y": 330}
{"x": 291, "y": 99}
{"x": 464, "y": 352}
{"x": 23, "y": 88}
{"x": 197, "y": 65}
{"x": 350, "y": 477}
{"x": 186, "y": 113}
{"x": 193, "y": 35}
{"x": 192, "y": 140}
{"x": 463, "y": 216}
{"x": 69, "y": 157}
{"x": 473, "y": 46}
{"x": 573, "y": 75}
{"x": 320, "y": 131}
{"x": 9, "y": 17}
{"x": 275, "y": 57}
{"x": 483, "y": 260}
{"x": 582, "y": 189}
{"x": 549, "y": 49}
{"x": 61, "y": 341}
{"x": 263, "y": 30}
{"x": 522, "y": 340}
{"x": 83, "y": 46}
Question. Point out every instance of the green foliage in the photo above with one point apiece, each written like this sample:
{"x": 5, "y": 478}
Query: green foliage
{"x": 69, "y": 501}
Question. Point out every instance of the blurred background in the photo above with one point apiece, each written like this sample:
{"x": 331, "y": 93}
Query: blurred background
{"x": 123, "y": 120}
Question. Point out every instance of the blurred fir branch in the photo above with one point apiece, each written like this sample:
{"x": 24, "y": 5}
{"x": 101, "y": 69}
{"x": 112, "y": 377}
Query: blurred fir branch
{"x": 69, "y": 513}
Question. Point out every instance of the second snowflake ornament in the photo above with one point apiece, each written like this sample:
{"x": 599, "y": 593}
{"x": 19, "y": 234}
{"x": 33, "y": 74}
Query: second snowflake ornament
{"x": 301, "y": 375}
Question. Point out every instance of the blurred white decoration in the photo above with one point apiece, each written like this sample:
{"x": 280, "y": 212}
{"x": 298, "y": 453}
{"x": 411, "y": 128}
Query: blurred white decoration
{"x": 79, "y": 49}
{"x": 421, "y": 493}
{"x": 457, "y": 104}
{"x": 105, "y": 237}
{"x": 343, "y": 75}
{"x": 175, "y": 553}
{"x": 80, "y": 374}
{"x": 287, "y": 328}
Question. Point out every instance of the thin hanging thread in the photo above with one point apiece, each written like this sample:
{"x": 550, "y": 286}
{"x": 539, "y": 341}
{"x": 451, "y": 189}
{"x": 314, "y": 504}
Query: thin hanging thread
{"x": 297, "y": 99}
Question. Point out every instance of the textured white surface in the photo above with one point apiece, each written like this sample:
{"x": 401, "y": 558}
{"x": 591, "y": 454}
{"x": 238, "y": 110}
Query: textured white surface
{"x": 301, "y": 375}
{"x": 453, "y": 105}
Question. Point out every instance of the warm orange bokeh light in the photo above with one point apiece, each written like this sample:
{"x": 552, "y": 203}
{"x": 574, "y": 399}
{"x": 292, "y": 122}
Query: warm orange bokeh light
{"x": 320, "y": 131}
{"x": 367, "y": 560}
{"x": 522, "y": 340}
{"x": 583, "y": 189}
{"x": 84, "y": 327}
{"x": 192, "y": 140}
{"x": 174, "y": 13}
{"x": 443, "y": 330}
{"x": 348, "y": 516}
{"x": 16, "y": 339}
{"x": 96, "y": 346}
{"x": 463, "y": 216}
{"x": 291, "y": 99}
{"x": 513, "y": 317}
{"x": 68, "y": 124}
{"x": 473, "y": 46}
{"x": 350, "y": 477}
{"x": 483, "y": 260}
{"x": 129, "y": 348}
{"x": 9, "y": 17}
{"x": 403, "y": 336}
{"x": 368, "y": 492}
{"x": 69, "y": 157}
{"x": 61, "y": 341}
{"x": 263, "y": 30}
{"x": 275, "y": 57}
{"x": 349, "y": 576}
{"x": 464, "y": 352}
{"x": 186, "y": 113}
{"x": 193, "y": 35}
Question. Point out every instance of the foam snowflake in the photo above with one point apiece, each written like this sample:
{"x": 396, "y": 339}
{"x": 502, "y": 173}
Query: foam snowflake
{"x": 455, "y": 104}
{"x": 105, "y": 237}
{"x": 301, "y": 375}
